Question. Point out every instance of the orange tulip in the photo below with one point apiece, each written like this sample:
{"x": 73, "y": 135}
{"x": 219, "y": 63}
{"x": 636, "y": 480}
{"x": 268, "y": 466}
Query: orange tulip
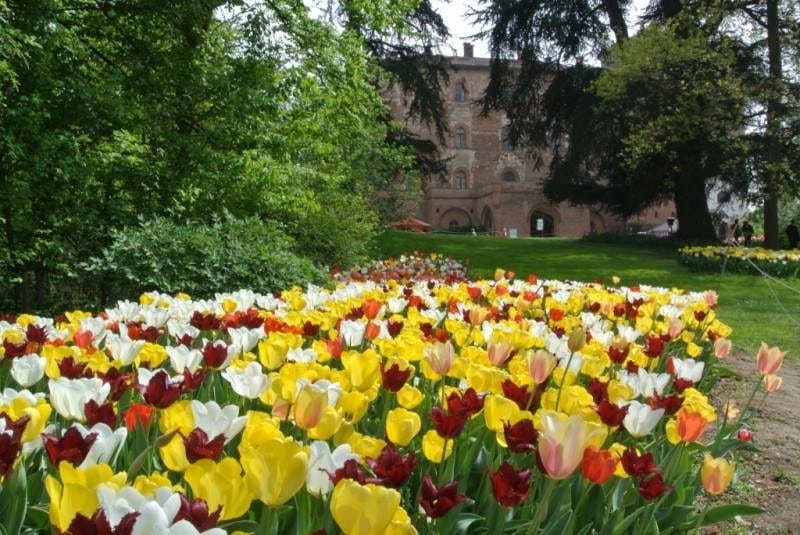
{"x": 716, "y": 474}
{"x": 690, "y": 425}
{"x": 598, "y": 465}
{"x": 769, "y": 360}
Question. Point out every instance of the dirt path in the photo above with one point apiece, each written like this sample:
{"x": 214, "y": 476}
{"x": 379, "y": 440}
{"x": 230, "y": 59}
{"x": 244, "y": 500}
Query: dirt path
{"x": 769, "y": 478}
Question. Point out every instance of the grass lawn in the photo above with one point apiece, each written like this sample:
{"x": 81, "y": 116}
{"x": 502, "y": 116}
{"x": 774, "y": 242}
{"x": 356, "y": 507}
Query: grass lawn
{"x": 756, "y": 308}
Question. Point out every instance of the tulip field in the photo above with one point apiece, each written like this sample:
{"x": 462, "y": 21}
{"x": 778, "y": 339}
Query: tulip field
{"x": 402, "y": 398}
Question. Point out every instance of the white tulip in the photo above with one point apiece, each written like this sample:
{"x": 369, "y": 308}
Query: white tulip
{"x": 216, "y": 420}
{"x": 244, "y": 339}
{"x": 106, "y": 445}
{"x": 182, "y": 358}
{"x": 297, "y": 354}
{"x": 688, "y": 369}
{"x": 352, "y": 332}
{"x": 250, "y": 382}
{"x": 27, "y": 370}
{"x": 644, "y": 383}
{"x": 641, "y": 419}
{"x": 123, "y": 349}
{"x": 69, "y": 396}
{"x": 322, "y": 463}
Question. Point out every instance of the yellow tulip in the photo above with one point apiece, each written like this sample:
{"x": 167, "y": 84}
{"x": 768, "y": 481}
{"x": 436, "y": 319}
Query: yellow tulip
{"x": 328, "y": 425}
{"x": 220, "y": 484}
{"x": 275, "y": 471}
{"x": 354, "y": 406}
{"x": 76, "y": 493}
{"x": 401, "y": 524}
{"x": 716, "y": 474}
{"x": 366, "y": 446}
{"x": 497, "y": 410}
{"x": 562, "y": 441}
{"x": 402, "y": 426}
{"x": 363, "y": 509}
{"x": 363, "y": 368}
{"x": 409, "y": 396}
{"x": 174, "y": 454}
{"x": 433, "y": 445}
{"x": 148, "y": 484}
{"x": 309, "y": 406}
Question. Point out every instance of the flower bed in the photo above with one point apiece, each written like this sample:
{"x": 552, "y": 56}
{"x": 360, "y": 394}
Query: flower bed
{"x": 741, "y": 260}
{"x": 398, "y": 408}
{"x": 407, "y": 268}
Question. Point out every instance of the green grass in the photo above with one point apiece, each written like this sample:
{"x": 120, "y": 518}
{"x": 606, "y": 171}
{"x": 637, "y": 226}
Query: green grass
{"x": 747, "y": 303}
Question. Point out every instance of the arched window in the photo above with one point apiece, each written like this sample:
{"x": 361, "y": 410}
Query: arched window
{"x": 461, "y": 181}
{"x": 461, "y": 138}
{"x": 461, "y": 92}
{"x": 509, "y": 176}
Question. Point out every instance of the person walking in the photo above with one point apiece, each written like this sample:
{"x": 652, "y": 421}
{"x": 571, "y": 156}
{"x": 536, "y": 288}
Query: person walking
{"x": 737, "y": 231}
{"x": 747, "y": 232}
{"x": 792, "y": 234}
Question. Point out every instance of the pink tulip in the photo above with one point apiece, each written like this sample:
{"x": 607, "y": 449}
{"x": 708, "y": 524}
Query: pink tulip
{"x": 769, "y": 360}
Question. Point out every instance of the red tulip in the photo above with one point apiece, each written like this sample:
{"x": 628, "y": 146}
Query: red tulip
{"x": 350, "y": 470}
{"x": 160, "y": 392}
{"x": 521, "y": 437}
{"x": 72, "y": 447}
{"x": 371, "y": 308}
{"x": 448, "y": 424}
{"x": 469, "y": 402}
{"x": 10, "y": 443}
{"x": 509, "y": 486}
{"x": 73, "y": 370}
{"x": 598, "y": 389}
{"x": 556, "y": 314}
{"x": 670, "y": 404}
{"x": 193, "y": 381}
{"x": 99, "y": 524}
{"x": 744, "y": 435}
{"x": 196, "y": 513}
{"x": 437, "y": 501}
{"x": 120, "y": 382}
{"x": 204, "y": 322}
{"x": 198, "y": 446}
{"x": 138, "y": 415}
{"x": 100, "y": 414}
{"x": 653, "y": 487}
{"x": 638, "y": 465}
{"x": 391, "y": 468}
{"x": 215, "y": 353}
{"x": 598, "y": 465}
{"x": 682, "y": 384}
{"x": 335, "y": 347}
{"x": 393, "y": 378}
{"x": 611, "y": 414}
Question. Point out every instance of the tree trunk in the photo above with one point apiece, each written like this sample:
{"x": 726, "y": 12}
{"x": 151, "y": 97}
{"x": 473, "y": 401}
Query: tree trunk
{"x": 616, "y": 18}
{"x": 694, "y": 219}
{"x": 773, "y": 151}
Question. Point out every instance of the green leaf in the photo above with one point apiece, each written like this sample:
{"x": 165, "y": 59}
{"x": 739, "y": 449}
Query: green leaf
{"x": 626, "y": 523}
{"x": 721, "y": 513}
{"x": 464, "y": 521}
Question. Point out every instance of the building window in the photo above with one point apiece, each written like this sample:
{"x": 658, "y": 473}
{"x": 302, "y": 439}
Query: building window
{"x": 461, "y": 138}
{"x": 461, "y": 93}
{"x": 509, "y": 176}
{"x": 453, "y": 225}
{"x": 461, "y": 181}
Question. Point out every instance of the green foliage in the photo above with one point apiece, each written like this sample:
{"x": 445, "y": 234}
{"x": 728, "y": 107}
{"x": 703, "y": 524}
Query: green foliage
{"x": 200, "y": 259}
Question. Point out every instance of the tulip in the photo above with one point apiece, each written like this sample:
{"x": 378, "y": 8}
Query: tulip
{"x": 276, "y": 470}
{"x": 96, "y": 414}
{"x": 722, "y": 348}
{"x": 636, "y": 465}
{"x": 409, "y": 396}
{"x": 123, "y": 350}
{"x": 217, "y": 354}
{"x": 391, "y": 468}
{"x": 499, "y": 353}
{"x": 249, "y": 382}
{"x": 744, "y": 435}
{"x": 10, "y": 442}
{"x": 520, "y": 437}
{"x": 509, "y": 486}
{"x": 220, "y": 485}
{"x": 28, "y": 369}
{"x": 158, "y": 389}
{"x": 244, "y": 339}
{"x": 138, "y": 415}
{"x": 612, "y": 415}
{"x": 393, "y": 378}
{"x": 197, "y": 513}
{"x": 363, "y": 368}
{"x": 198, "y": 446}
{"x": 562, "y": 441}
{"x": 402, "y": 426}
{"x": 769, "y": 360}
{"x": 216, "y": 420}
{"x": 352, "y": 332}
{"x": 75, "y": 491}
{"x": 105, "y": 446}
{"x": 653, "y": 487}
{"x": 690, "y": 425}
{"x": 674, "y": 328}
{"x": 716, "y": 474}
{"x": 440, "y": 356}
{"x": 363, "y": 509}
{"x": 577, "y": 339}
{"x": 435, "y": 448}
{"x": 468, "y": 402}
{"x": 448, "y": 424}
{"x": 686, "y": 369}
{"x": 772, "y": 383}
{"x": 323, "y": 463}
{"x": 540, "y": 365}
{"x": 641, "y": 419}
{"x": 438, "y": 501}
{"x": 69, "y": 396}
{"x": 598, "y": 465}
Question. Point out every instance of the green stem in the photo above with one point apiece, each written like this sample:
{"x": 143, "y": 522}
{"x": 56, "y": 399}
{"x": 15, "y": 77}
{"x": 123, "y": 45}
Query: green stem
{"x": 574, "y": 515}
{"x": 541, "y": 509}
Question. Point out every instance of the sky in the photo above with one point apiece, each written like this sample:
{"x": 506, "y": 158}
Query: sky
{"x": 454, "y": 13}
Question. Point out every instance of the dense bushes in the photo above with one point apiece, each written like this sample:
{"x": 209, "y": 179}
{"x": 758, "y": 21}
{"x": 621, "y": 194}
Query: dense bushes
{"x": 741, "y": 260}
{"x": 201, "y": 259}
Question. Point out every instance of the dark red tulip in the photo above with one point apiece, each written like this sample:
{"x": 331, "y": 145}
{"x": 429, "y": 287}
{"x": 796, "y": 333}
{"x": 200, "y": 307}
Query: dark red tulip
{"x": 10, "y": 443}
{"x": 197, "y": 514}
{"x": 448, "y": 424}
{"x": 611, "y": 414}
{"x": 631, "y": 367}
{"x": 638, "y": 465}
{"x": 96, "y": 414}
{"x": 653, "y": 346}
{"x": 598, "y": 389}
{"x": 350, "y": 470}
{"x": 215, "y": 354}
{"x": 438, "y": 501}
{"x": 699, "y": 315}
{"x": 73, "y": 370}
{"x": 391, "y": 468}
{"x": 653, "y": 487}
{"x": 618, "y": 354}
{"x": 99, "y": 525}
{"x": 193, "y": 381}
{"x": 509, "y": 486}
{"x": 120, "y": 382}
{"x": 36, "y": 334}
{"x": 671, "y": 404}
{"x": 518, "y": 394}
{"x": 204, "y": 322}
{"x": 13, "y": 351}
{"x": 682, "y": 384}
{"x": 198, "y": 446}
{"x": 310, "y": 330}
{"x": 393, "y": 378}
{"x": 469, "y": 402}
{"x": 72, "y": 447}
{"x": 160, "y": 392}
{"x": 394, "y": 328}
{"x": 521, "y": 437}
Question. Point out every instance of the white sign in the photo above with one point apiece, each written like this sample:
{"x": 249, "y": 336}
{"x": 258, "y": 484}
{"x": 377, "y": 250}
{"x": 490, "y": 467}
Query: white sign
{"x": 512, "y": 233}
{"x": 540, "y": 224}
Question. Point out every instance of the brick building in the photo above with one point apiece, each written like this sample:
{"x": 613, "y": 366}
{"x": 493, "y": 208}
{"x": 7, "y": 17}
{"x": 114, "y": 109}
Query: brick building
{"x": 489, "y": 184}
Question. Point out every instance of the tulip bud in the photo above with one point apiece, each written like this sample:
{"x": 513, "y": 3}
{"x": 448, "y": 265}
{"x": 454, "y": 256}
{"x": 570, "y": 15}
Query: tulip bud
{"x": 577, "y": 339}
{"x": 744, "y": 435}
{"x": 772, "y": 383}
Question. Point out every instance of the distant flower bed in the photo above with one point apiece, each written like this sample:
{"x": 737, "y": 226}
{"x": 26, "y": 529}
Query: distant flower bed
{"x": 741, "y": 260}
{"x": 405, "y": 268}
{"x": 423, "y": 407}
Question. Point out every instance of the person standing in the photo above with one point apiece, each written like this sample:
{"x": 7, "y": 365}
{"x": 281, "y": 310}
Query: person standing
{"x": 793, "y": 234}
{"x": 747, "y": 232}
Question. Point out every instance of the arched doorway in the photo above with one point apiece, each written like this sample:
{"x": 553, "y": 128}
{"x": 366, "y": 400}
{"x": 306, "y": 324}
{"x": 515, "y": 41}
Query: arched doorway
{"x": 486, "y": 220}
{"x": 542, "y": 224}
